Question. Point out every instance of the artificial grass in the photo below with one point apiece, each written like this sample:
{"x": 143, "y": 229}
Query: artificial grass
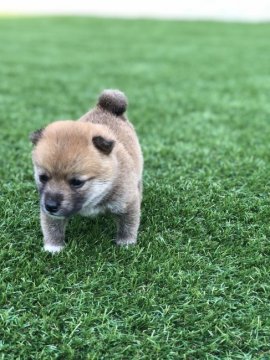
{"x": 197, "y": 285}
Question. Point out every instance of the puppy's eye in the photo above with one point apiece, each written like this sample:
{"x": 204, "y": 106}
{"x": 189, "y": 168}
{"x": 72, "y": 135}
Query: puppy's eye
{"x": 76, "y": 183}
{"x": 43, "y": 178}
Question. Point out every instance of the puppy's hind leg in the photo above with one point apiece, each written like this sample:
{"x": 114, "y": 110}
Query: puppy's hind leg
{"x": 128, "y": 224}
{"x": 53, "y": 232}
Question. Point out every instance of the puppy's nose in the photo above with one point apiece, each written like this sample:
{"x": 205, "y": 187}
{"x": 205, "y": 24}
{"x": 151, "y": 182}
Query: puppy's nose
{"x": 52, "y": 205}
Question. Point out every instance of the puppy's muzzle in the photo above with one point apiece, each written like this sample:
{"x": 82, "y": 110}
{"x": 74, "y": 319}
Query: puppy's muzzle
{"x": 52, "y": 203}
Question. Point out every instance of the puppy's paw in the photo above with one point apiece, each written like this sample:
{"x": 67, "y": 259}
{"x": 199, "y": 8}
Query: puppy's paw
{"x": 126, "y": 242}
{"x": 53, "y": 249}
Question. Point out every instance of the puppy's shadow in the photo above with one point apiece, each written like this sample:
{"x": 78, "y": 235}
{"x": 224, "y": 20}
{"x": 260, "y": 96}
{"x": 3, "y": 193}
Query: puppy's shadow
{"x": 90, "y": 232}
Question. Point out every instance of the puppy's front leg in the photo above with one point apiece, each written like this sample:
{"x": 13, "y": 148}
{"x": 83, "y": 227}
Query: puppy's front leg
{"x": 54, "y": 232}
{"x": 128, "y": 224}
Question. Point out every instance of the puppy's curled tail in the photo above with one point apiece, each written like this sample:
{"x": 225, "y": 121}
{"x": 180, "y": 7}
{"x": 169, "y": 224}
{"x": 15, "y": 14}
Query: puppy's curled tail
{"x": 114, "y": 101}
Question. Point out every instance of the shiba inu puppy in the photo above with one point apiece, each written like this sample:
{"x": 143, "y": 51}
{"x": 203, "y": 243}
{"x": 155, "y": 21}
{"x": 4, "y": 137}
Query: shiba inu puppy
{"x": 87, "y": 167}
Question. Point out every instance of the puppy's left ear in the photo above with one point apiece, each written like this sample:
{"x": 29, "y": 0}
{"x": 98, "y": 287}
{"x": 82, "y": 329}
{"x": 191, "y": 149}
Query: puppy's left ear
{"x": 103, "y": 145}
{"x": 35, "y": 136}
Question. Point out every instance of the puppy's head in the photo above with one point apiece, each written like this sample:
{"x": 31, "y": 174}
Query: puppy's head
{"x": 74, "y": 166}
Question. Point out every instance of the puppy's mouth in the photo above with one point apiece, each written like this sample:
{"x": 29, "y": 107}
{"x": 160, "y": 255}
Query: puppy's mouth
{"x": 55, "y": 216}
{"x": 60, "y": 214}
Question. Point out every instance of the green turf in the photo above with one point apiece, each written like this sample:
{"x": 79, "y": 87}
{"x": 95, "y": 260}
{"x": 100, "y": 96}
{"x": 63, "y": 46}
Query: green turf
{"x": 197, "y": 286}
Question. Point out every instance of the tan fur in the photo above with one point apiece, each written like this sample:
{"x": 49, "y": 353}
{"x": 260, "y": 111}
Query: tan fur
{"x": 65, "y": 150}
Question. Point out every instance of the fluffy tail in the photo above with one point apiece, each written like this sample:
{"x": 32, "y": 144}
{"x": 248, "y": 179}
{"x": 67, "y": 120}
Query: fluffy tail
{"x": 113, "y": 101}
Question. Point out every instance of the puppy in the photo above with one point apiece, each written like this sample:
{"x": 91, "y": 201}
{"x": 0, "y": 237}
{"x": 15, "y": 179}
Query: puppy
{"x": 87, "y": 167}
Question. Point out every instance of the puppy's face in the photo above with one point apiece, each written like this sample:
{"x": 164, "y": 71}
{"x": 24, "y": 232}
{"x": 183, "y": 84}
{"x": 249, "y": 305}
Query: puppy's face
{"x": 74, "y": 166}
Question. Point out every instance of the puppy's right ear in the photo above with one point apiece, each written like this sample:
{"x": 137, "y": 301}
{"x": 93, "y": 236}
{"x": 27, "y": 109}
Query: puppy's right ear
{"x": 35, "y": 136}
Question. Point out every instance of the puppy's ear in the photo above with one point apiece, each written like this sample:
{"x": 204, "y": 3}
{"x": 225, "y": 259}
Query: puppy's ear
{"x": 103, "y": 145}
{"x": 35, "y": 136}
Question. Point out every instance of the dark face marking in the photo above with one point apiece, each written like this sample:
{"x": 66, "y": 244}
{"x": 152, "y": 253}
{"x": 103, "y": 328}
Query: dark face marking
{"x": 54, "y": 196}
{"x": 78, "y": 200}
{"x": 59, "y": 201}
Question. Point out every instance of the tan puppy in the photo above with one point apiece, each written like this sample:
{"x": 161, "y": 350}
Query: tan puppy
{"x": 88, "y": 167}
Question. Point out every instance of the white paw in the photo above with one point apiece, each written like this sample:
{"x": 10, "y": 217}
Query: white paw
{"x": 126, "y": 242}
{"x": 53, "y": 248}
